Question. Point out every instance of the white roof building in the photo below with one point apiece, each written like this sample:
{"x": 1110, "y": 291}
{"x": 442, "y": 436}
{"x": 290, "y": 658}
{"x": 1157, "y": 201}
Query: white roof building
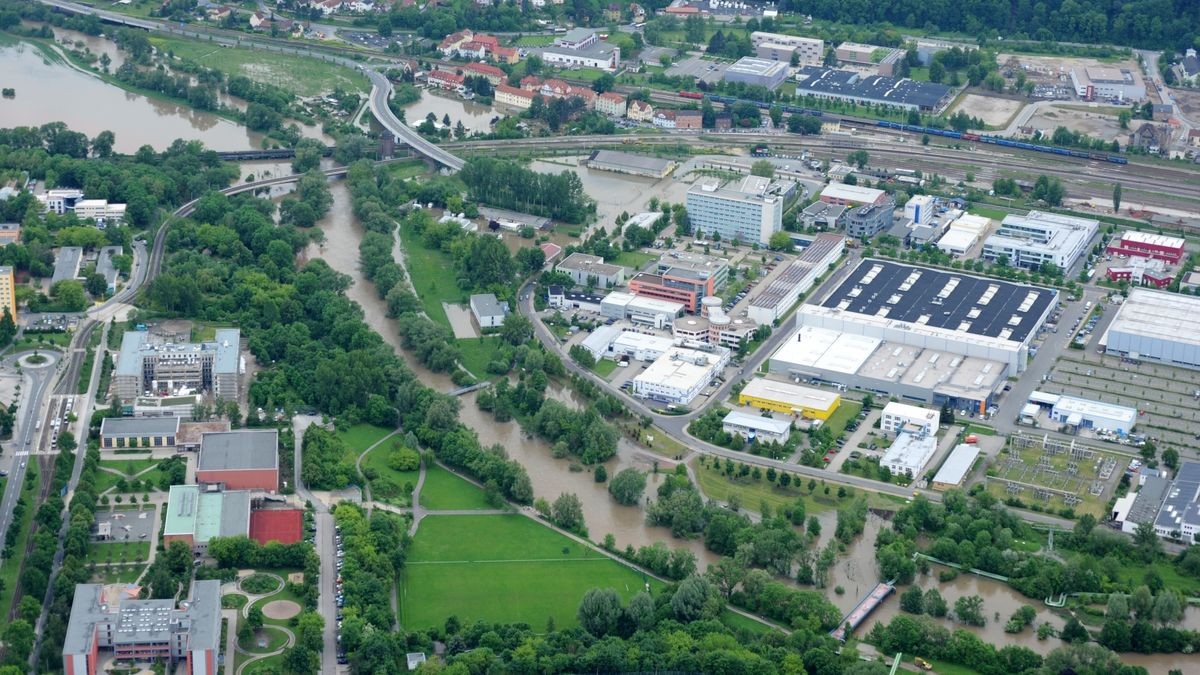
{"x": 1086, "y": 414}
{"x": 840, "y": 193}
{"x": 679, "y": 375}
{"x": 756, "y": 427}
{"x": 1038, "y": 237}
{"x": 1156, "y": 326}
{"x": 600, "y": 340}
{"x": 909, "y": 454}
{"x": 640, "y": 346}
{"x": 954, "y": 469}
{"x": 899, "y": 417}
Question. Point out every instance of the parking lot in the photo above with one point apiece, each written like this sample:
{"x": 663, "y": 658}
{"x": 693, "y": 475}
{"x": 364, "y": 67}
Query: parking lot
{"x": 126, "y": 524}
{"x": 373, "y": 40}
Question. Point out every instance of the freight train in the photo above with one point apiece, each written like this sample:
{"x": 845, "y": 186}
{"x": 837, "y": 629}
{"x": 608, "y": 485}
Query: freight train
{"x": 911, "y": 128}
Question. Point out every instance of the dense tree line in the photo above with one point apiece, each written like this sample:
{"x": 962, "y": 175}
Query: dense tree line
{"x": 375, "y": 549}
{"x": 325, "y": 462}
{"x": 508, "y": 185}
{"x": 1153, "y": 24}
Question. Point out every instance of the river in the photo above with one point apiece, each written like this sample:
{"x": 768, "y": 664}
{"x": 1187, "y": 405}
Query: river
{"x": 475, "y": 117}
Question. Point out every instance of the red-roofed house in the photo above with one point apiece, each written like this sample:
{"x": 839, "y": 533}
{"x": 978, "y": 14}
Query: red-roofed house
{"x": 472, "y": 49}
{"x": 611, "y": 103}
{"x": 640, "y": 111}
{"x": 450, "y": 44}
{"x": 683, "y": 10}
{"x": 531, "y": 83}
{"x": 508, "y": 55}
{"x": 492, "y": 73}
{"x": 551, "y": 251}
{"x": 445, "y": 79}
{"x": 555, "y": 88}
{"x": 285, "y": 526}
{"x": 490, "y": 40}
{"x": 587, "y": 95}
{"x": 517, "y": 98}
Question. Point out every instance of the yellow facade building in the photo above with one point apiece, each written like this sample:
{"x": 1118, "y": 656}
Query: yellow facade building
{"x": 788, "y": 398}
{"x": 8, "y": 292}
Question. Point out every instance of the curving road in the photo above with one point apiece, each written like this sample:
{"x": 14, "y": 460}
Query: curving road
{"x": 381, "y": 91}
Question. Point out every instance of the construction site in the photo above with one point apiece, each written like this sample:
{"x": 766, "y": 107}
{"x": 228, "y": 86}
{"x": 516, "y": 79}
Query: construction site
{"x": 1055, "y": 474}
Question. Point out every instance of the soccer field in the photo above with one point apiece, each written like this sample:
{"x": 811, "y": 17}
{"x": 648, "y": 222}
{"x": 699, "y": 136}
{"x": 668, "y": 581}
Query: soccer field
{"x": 504, "y": 569}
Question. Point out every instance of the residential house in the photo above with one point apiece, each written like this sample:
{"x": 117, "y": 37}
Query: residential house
{"x": 531, "y": 83}
{"x": 1162, "y": 111}
{"x": 554, "y": 88}
{"x": 514, "y": 97}
{"x": 1151, "y": 137}
{"x": 640, "y": 111}
{"x": 611, "y": 103}
{"x": 638, "y": 12}
{"x": 509, "y": 55}
{"x": 219, "y": 13}
{"x": 449, "y": 45}
{"x": 1194, "y": 138}
{"x": 587, "y": 95}
{"x": 327, "y": 7}
{"x": 488, "y": 311}
{"x": 664, "y": 119}
{"x": 688, "y": 119}
{"x": 472, "y": 49}
{"x": 1188, "y": 69}
{"x": 444, "y": 79}
{"x": 492, "y": 73}
{"x": 257, "y": 19}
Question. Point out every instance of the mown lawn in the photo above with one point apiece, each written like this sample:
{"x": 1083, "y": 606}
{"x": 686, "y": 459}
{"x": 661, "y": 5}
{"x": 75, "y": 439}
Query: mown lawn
{"x": 303, "y": 76}
{"x": 502, "y": 569}
{"x": 444, "y": 490}
{"x": 634, "y": 259}
{"x": 431, "y": 272}
{"x": 362, "y": 436}
{"x": 119, "y": 551}
{"x": 604, "y": 367}
{"x": 477, "y": 353}
{"x": 847, "y": 411}
{"x": 388, "y": 486}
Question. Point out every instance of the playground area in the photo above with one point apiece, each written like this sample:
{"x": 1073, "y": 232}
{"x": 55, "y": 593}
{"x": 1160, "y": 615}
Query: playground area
{"x": 1053, "y": 475}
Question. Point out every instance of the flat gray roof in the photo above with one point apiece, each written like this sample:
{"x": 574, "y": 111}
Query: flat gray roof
{"x": 228, "y": 342}
{"x": 235, "y": 513}
{"x": 486, "y": 304}
{"x": 139, "y": 426}
{"x": 1149, "y": 500}
{"x": 66, "y": 264}
{"x": 630, "y": 160}
{"x": 129, "y": 360}
{"x": 204, "y": 609}
{"x": 104, "y": 263}
{"x": 243, "y": 449}
{"x": 955, "y": 468}
{"x": 144, "y": 621}
{"x": 1182, "y": 502}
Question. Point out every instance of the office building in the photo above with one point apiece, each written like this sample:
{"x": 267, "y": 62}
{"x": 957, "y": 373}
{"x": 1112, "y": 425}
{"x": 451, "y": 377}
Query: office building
{"x": 1081, "y": 413}
{"x": 1157, "y": 327}
{"x": 196, "y": 516}
{"x": 611, "y": 103}
{"x": 1142, "y": 272}
{"x": 909, "y": 453}
{"x": 635, "y": 165}
{"x": 138, "y": 432}
{"x": 779, "y": 47}
{"x": 113, "y": 619}
{"x": 715, "y": 327}
{"x": 822, "y": 215}
{"x": 1136, "y": 244}
{"x": 600, "y": 339}
{"x": 790, "y": 399}
{"x": 101, "y": 211}
{"x": 857, "y": 53}
{"x": 565, "y": 300}
{"x": 871, "y": 219}
{"x": 777, "y": 297}
{"x": 756, "y": 427}
{"x": 8, "y": 292}
{"x": 487, "y": 310}
{"x": 591, "y": 270}
{"x": 956, "y": 467}
{"x": 59, "y": 201}
{"x": 852, "y": 195}
{"x": 1093, "y": 83}
{"x": 240, "y": 460}
{"x": 682, "y": 277}
{"x": 852, "y": 87}
{"x": 899, "y": 417}
{"x": 1136, "y": 508}
{"x": 757, "y": 72}
{"x": 581, "y": 47}
{"x": 749, "y": 213}
{"x": 964, "y": 232}
{"x": 147, "y": 366}
{"x": 1039, "y": 238}
{"x": 919, "y": 209}
{"x": 680, "y": 374}
{"x": 640, "y": 310}
{"x": 639, "y": 346}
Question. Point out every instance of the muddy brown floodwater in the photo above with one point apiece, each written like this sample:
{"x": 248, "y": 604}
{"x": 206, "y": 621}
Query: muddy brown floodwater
{"x": 475, "y": 117}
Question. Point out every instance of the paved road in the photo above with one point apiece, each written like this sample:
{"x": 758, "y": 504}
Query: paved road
{"x": 323, "y": 520}
{"x": 36, "y": 384}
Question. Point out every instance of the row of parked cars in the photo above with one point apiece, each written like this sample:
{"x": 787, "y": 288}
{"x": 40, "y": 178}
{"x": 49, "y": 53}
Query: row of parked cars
{"x": 339, "y": 596}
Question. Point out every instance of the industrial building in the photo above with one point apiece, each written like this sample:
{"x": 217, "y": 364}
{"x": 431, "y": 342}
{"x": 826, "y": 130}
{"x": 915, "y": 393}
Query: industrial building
{"x": 680, "y": 374}
{"x": 1093, "y": 83}
{"x": 487, "y": 310}
{"x": 636, "y": 165}
{"x": 682, "y": 277}
{"x": 113, "y": 618}
{"x": 195, "y": 515}
{"x": 850, "y": 86}
{"x": 148, "y": 366}
{"x": 138, "y": 432}
{"x": 1081, "y": 413}
{"x": 956, "y": 467}
{"x": 240, "y": 460}
{"x": 792, "y": 399}
{"x": 963, "y": 234}
{"x": 750, "y": 212}
{"x": 852, "y": 195}
{"x": 642, "y": 310}
{"x": 639, "y": 346}
{"x": 909, "y": 453}
{"x": 756, "y": 427}
{"x": 1179, "y": 517}
{"x": 565, "y": 300}
{"x": 899, "y": 417}
{"x": 780, "y": 47}
{"x": 600, "y": 339}
{"x": 774, "y": 299}
{"x": 1158, "y": 327}
{"x": 935, "y": 309}
{"x": 871, "y": 219}
{"x": 591, "y": 270}
{"x": 581, "y": 47}
{"x": 1147, "y": 245}
{"x": 1142, "y": 272}
{"x": 66, "y": 264}
{"x": 1039, "y": 237}
{"x": 1142, "y": 506}
{"x": 758, "y": 72}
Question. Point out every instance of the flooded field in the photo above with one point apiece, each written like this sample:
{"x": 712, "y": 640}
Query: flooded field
{"x": 474, "y": 117}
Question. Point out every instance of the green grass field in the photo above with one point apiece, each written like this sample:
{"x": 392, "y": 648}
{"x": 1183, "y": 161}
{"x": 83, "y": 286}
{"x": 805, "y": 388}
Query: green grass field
{"x": 389, "y": 485}
{"x": 847, "y": 411}
{"x": 604, "y": 367}
{"x": 10, "y": 567}
{"x": 427, "y": 268}
{"x": 504, "y": 569}
{"x": 362, "y": 436}
{"x": 304, "y": 76}
{"x": 36, "y": 340}
{"x": 129, "y": 467}
{"x": 634, "y": 259}
{"x": 477, "y": 353}
{"x": 444, "y": 490}
{"x": 752, "y": 493}
{"x": 119, "y": 551}
{"x": 272, "y": 636}
{"x": 988, "y": 212}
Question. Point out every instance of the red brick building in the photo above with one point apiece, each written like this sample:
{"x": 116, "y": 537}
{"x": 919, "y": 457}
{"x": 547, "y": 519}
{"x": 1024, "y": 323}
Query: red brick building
{"x": 1146, "y": 245}
{"x": 240, "y": 460}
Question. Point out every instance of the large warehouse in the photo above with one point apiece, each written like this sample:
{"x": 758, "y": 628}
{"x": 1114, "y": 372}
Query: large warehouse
{"x": 852, "y": 86}
{"x": 789, "y": 398}
{"x": 624, "y": 162}
{"x": 1156, "y": 326}
{"x": 757, "y": 72}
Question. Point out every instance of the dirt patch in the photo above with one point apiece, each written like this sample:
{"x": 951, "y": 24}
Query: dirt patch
{"x": 296, "y": 578}
{"x": 1057, "y": 69}
{"x": 1099, "y": 124}
{"x": 280, "y": 610}
{"x": 460, "y": 321}
{"x": 995, "y": 112}
{"x": 1188, "y": 100}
